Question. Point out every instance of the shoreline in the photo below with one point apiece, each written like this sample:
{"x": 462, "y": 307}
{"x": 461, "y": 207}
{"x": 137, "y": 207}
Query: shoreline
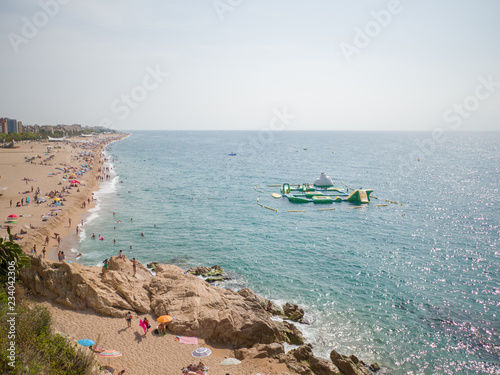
{"x": 63, "y": 159}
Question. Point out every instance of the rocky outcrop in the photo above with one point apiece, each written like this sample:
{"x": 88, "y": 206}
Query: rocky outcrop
{"x": 348, "y": 365}
{"x": 260, "y": 351}
{"x": 293, "y": 312}
{"x": 302, "y": 361}
{"x": 79, "y": 287}
{"x": 205, "y": 271}
{"x": 292, "y": 334}
{"x": 220, "y": 315}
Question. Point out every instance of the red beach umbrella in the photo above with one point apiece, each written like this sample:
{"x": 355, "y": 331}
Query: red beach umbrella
{"x": 13, "y": 215}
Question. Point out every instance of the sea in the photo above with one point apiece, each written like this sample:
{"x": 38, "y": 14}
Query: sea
{"x": 410, "y": 281}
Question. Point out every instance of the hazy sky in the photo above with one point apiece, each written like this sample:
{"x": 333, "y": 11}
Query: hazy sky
{"x": 252, "y": 64}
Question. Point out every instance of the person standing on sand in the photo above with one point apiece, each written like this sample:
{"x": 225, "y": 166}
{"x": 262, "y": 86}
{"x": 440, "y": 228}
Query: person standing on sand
{"x": 43, "y": 252}
{"x": 120, "y": 254}
{"x": 69, "y": 221}
{"x": 47, "y": 239}
{"x": 146, "y": 325}
{"x": 128, "y": 318}
{"x": 58, "y": 240}
{"x": 134, "y": 265}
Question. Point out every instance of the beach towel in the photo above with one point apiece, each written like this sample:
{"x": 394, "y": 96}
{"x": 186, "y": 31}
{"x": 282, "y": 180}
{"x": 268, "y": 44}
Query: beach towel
{"x": 188, "y": 340}
{"x": 143, "y": 325}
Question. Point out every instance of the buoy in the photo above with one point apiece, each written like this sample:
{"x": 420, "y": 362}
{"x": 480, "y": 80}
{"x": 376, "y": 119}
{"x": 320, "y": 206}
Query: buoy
{"x": 272, "y": 209}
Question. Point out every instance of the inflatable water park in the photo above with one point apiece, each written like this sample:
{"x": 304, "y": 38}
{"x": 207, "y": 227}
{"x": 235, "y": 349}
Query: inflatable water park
{"x": 322, "y": 191}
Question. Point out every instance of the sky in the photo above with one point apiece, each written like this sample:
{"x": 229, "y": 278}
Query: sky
{"x": 252, "y": 65}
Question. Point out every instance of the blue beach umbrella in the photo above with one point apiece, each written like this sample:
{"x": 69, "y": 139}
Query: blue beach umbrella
{"x": 201, "y": 352}
{"x": 86, "y": 342}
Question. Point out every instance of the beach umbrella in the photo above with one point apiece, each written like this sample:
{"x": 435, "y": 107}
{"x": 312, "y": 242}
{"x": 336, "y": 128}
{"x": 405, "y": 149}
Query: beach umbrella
{"x": 201, "y": 352}
{"x": 110, "y": 354}
{"x": 165, "y": 319}
{"x": 74, "y": 182}
{"x": 86, "y": 342}
{"x": 230, "y": 361}
{"x": 13, "y": 215}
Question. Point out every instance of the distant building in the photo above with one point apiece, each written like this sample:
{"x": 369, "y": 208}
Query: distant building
{"x": 3, "y": 125}
{"x": 12, "y": 125}
{"x": 19, "y": 127}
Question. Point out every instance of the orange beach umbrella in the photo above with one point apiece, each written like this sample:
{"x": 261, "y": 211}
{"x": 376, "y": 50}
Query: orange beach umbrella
{"x": 165, "y": 319}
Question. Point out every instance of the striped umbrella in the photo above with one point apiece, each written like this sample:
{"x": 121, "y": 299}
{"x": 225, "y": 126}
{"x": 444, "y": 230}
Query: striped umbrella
{"x": 110, "y": 353}
{"x": 201, "y": 352}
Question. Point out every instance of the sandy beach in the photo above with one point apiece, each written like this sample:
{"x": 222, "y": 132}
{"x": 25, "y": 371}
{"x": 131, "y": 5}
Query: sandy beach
{"x": 150, "y": 354}
{"x": 48, "y": 168}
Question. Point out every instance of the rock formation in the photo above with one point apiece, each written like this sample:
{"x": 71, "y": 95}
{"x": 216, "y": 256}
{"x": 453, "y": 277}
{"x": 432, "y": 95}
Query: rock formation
{"x": 78, "y": 287}
{"x": 215, "y": 314}
{"x": 348, "y": 365}
{"x": 220, "y": 315}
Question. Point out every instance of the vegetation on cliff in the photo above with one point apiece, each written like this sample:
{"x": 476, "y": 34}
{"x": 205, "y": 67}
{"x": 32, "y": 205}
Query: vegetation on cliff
{"x": 27, "y": 345}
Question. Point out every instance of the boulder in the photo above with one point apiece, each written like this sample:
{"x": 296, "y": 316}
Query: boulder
{"x": 374, "y": 367}
{"x": 304, "y": 357}
{"x": 291, "y": 334}
{"x": 347, "y": 365}
{"x": 216, "y": 314}
{"x": 297, "y": 367}
{"x": 293, "y": 312}
{"x": 205, "y": 271}
{"x": 321, "y": 366}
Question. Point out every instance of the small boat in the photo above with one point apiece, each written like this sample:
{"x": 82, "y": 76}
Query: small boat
{"x": 231, "y": 154}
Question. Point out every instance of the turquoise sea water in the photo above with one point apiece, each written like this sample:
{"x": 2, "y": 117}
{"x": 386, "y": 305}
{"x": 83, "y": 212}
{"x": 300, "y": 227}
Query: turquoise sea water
{"x": 414, "y": 287}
